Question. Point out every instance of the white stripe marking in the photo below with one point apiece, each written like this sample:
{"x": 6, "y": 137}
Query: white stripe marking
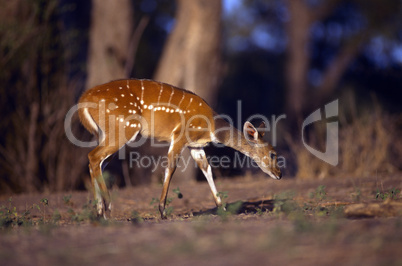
{"x": 182, "y": 98}
{"x": 171, "y": 95}
{"x": 142, "y": 93}
{"x": 160, "y": 93}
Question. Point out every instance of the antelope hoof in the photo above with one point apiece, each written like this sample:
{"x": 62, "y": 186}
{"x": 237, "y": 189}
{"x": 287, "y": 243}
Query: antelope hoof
{"x": 102, "y": 211}
{"x": 162, "y": 212}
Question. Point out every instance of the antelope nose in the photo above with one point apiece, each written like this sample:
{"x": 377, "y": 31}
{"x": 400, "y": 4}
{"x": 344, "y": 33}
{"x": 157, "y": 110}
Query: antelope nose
{"x": 279, "y": 175}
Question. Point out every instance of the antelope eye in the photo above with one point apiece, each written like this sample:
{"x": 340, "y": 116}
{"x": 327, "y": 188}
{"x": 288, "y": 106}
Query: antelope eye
{"x": 272, "y": 155}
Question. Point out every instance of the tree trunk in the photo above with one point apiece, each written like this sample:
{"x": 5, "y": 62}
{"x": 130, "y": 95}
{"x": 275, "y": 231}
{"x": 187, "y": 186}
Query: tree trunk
{"x": 191, "y": 57}
{"x": 109, "y": 37}
{"x": 298, "y": 29}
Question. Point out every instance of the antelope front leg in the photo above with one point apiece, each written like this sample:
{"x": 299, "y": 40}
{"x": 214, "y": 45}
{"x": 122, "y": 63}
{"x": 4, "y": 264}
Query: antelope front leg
{"x": 202, "y": 162}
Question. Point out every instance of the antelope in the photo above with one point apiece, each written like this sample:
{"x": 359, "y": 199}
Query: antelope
{"x": 116, "y": 112}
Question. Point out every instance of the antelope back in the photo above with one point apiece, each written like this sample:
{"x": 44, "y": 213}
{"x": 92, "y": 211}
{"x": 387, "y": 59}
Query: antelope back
{"x": 123, "y": 107}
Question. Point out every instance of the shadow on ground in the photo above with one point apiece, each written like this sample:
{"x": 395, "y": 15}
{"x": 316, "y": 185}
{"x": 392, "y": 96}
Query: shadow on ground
{"x": 239, "y": 207}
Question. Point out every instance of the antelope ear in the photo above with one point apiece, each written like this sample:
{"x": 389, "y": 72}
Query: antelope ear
{"x": 261, "y": 128}
{"x": 250, "y": 132}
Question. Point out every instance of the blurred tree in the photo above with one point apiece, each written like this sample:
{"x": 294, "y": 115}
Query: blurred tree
{"x": 377, "y": 18}
{"x": 34, "y": 152}
{"x": 109, "y": 38}
{"x": 191, "y": 56}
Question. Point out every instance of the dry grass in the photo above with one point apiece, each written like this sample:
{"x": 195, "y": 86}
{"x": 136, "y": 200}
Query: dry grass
{"x": 368, "y": 145}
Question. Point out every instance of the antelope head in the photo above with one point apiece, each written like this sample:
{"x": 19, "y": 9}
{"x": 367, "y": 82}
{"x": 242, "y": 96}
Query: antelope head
{"x": 260, "y": 151}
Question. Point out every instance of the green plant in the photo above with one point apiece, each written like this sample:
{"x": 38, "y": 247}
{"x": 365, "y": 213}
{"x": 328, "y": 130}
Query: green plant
{"x": 56, "y": 217}
{"x": 136, "y": 218}
{"x": 88, "y": 213}
{"x": 168, "y": 209}
{"x": 223, "y": 195}
{"x": 177, "y": 191}
{"x": 319, "y": 194}
{"x": 284, "y": 203}
{"x": 67, "y": 200}
{"x": 356, "y": 196}
{"x": 154, "y": 201}
{"x": 226, "y": 210}
{"x": 45, "y": 203}
{"x": 259, "y": 211}
{"x": 392, "y": 194}
{"x": 9, "y": 217}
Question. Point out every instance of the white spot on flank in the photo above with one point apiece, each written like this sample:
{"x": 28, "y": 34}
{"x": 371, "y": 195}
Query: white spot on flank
{"x": 142, "y": 102}
{"x": 107, "y": 111}
{"x": 120, "y": 88}
{"x": 138, "y": 98}
{"x": 163, "y": 108}
{"x": 171, "y": 110}
{"x": 150, "y": 107}
{"x": 121, "y": 119}
{"x": 127, "y": 123}
{"x": 167, "y": 109}
{"x": 145, "y": 106}
{"x": 115, "y": 99}
{"x": 131, "y": 95}
{"x": 130, "y": 111}
{"x": 131, "y": 104}
{"x": 122, "y": 95}
{"x": 200, "y": 104}
{"x": 102, "y": 100}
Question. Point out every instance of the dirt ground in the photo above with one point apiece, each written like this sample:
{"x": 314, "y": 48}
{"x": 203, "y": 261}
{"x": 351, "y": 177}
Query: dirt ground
{"x": 288, "y": 222}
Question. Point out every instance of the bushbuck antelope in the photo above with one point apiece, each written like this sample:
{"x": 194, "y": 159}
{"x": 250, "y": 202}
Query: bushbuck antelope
{"x": 116, "y": 112}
